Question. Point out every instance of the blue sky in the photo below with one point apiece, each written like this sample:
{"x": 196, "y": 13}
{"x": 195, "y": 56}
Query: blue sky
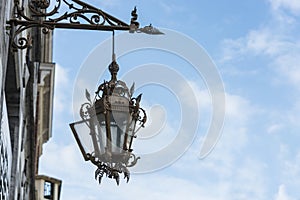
{"x": 255, "y": 46}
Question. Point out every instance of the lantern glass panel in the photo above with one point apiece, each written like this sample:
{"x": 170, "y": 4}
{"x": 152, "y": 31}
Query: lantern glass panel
{"x": 100, "y": 127}
{"x": 118, "y": 125}
{"x": 83, "y": 134}
{"x": 119, "y": 118}
{"x": 130, "y": 133}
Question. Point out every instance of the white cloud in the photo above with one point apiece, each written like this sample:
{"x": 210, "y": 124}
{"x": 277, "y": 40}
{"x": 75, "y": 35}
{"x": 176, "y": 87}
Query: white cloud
{"x": 156, "y": 121}
{"x": 238, "y": 112}
{"x": 65, "y": 162}
{"x": 290, "y": 5}
{"x": 282, "y": 194}
{"x": 289, "y": 162}
{"x": 274, "y": 128}
{"x": 291, "y": 168}
{"x": 238, "y": 109}
{"x": 61, "y": 160}
{"x": 267, "y": 41}
{"x": 288, "y": 66}
{"x": 264, "y": 41}
{"x": 239, "y": 175}
{"x": 172, "y": 188}
{"x": 276, "y": 43}
{"x": 202, "y": 96}
{"x": 62, "y": 90}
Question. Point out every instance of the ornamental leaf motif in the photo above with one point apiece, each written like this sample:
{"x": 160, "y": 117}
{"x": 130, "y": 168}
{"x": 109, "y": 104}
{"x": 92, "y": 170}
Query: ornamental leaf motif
{"x": 88, "y": 95}
{"x": 132, "y": 89}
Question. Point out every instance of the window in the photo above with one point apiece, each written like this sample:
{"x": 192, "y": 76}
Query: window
{"x": 48, "y": 190}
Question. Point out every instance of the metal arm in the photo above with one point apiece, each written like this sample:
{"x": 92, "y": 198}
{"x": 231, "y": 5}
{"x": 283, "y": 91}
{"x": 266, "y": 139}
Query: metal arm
{"x": 79, "y": 15}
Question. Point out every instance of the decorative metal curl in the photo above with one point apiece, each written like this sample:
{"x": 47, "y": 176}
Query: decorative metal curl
{"x": 132, "y": 160}
{"x": 21, "y": 43}
{"x": 143, "y": 119}
{"x": 74, "y": 18}
{"x": 84, "y": 111}
{"x": 95, "y": 19}
{"x": 25, "y": 42}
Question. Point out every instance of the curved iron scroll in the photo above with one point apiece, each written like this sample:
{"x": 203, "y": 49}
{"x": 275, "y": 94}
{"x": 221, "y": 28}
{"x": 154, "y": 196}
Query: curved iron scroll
{"x": 79, "y": 15}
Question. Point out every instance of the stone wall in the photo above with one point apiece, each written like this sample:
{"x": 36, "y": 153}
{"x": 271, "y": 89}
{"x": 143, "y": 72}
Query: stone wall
{"x": 5, "y": 140}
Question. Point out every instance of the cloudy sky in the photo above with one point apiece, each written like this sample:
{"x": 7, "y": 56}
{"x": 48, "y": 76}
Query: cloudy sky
{"x": 250, "y": 47}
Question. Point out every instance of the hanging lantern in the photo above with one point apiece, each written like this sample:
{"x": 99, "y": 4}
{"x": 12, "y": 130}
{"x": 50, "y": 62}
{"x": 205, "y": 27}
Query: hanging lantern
{"x": 108, "y": 126}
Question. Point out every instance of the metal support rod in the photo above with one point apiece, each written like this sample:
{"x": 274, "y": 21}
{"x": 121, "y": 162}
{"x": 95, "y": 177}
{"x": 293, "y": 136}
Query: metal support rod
{"x": 68, "y": 25}
{"x": 113, "y": 46}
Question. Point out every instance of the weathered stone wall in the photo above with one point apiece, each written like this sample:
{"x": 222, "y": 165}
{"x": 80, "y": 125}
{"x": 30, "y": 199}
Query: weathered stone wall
{"x": 13, "y": 164}
{"x": 5, "y": 141}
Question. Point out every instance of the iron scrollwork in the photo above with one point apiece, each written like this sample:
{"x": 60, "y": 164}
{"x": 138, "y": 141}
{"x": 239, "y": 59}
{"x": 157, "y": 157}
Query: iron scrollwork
{"x": 79, "y": 15}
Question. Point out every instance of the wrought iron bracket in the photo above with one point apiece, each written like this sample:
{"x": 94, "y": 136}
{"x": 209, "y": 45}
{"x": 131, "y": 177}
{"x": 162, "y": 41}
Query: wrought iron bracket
{"x": 78, "y": 15}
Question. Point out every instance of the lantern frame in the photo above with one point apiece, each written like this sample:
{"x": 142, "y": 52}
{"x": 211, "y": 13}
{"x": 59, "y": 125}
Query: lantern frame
{"x": 112, "y": 107}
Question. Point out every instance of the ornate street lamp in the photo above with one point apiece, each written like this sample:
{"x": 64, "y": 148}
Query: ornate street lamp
{"x": 108, "y": 125}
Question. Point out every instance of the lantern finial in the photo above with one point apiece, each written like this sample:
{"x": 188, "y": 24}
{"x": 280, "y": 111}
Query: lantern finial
{"x": 113, "y": 67}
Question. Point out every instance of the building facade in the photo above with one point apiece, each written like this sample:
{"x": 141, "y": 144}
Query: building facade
{"x": 26, "y": 104}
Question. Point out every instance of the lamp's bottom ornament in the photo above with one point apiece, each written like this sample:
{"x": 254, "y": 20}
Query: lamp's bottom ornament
{"x": 112, "y": 172}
